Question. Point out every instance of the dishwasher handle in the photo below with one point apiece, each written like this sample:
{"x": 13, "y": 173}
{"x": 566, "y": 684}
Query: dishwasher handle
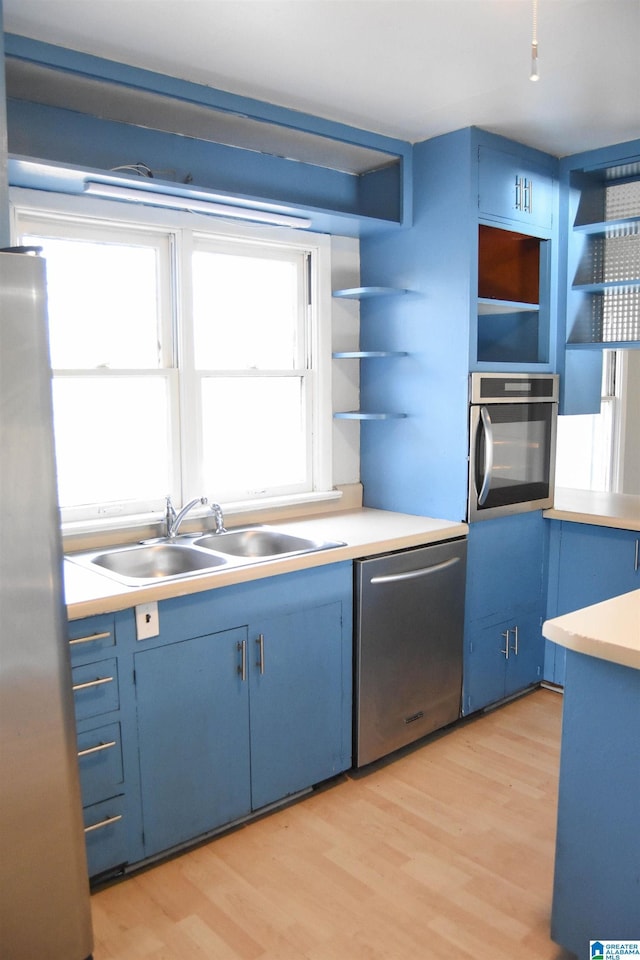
{"x": 415, "y": 574}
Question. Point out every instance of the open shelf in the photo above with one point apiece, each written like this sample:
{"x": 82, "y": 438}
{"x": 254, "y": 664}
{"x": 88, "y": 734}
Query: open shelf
{"x": 367, "y": 354}
{"x": 604, "y": 295}
{"x": 361, "y": 293}
{"x": 511, "y": 322}
{"x": 364, "y": 415}
{"x": 489, "y": 308}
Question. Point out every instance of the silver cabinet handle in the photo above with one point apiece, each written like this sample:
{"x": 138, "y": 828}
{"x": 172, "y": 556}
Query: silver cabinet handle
{"x": 485, "y": 416}
{"x": 260, "y": 661}
{"x": 105, "y": 745}
{"x": 518, "y": 203}
{"x": 505, "y": 652}
{"x": 636, "y": 562}
{"x": 514, "y": 648}
{"x": 414, "y": 574}
{"x": 94, "y": 636}
{"x": 92, "y": 683}
{"x": 242, "y": 666}
{"x": 528, "y": 195}
{"x": 103, "y": 823}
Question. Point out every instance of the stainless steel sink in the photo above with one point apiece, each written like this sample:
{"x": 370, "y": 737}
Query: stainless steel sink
{"x": 262, "y": 542}
{"x": 139, "y": 565}
{"x": 189, "y": 555}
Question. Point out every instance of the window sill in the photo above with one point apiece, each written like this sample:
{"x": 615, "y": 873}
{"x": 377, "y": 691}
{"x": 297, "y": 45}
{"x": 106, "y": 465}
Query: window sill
{"x": 90, "y": 534}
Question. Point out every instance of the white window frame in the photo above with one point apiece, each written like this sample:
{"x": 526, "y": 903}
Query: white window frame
{"x": 182, "y": 227}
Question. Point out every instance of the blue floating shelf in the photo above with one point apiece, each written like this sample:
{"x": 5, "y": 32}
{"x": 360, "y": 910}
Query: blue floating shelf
{"x": 362, "y": 415}
{"x": 361, "y": 293}
{"x": 367, "y": 354}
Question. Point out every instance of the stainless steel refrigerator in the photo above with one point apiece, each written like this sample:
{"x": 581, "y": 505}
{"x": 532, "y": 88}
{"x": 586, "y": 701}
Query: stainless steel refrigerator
{"x": 44, "y": 893}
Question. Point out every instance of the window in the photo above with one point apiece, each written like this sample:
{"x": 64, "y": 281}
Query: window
{"x": 186, "y": 361}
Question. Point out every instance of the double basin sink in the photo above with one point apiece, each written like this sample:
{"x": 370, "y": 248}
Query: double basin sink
{"x": 191, "y": 554}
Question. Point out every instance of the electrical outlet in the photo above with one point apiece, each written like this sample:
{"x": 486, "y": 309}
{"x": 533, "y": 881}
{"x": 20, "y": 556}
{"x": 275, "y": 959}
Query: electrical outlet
{"x": 147, "y": 620}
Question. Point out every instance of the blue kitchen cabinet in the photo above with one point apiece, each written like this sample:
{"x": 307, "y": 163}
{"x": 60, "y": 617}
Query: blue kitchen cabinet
{"x": 512, "y": 185}
{"x": 244, "y": 699}
{"x": 595, "y": 887}
{"x": 455, "y": 319}
{"x": 106, "y": 744}
{"x": 296, "y": 702}
{"x": 193, "y": 737}
{"x": 588, "y": 564}
{"x": 504, "y": 647}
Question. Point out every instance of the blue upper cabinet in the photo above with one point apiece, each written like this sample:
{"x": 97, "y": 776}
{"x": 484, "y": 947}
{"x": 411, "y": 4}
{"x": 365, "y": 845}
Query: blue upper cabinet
{"x": 466, "y": 310}
{"x": 600, "y": 266}
{"x": 74, "y": 118}
{"x": 513, "y": 186}
{"x": 514, "y": 323}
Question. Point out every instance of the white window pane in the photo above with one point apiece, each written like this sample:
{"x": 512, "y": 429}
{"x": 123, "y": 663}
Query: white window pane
{"x": 253, "y": 435}
{"x": 246, "y": 312}
{"x": 112, "y": 439}
{"x": 103, "y": 304}
{"x": 583, "y": 455}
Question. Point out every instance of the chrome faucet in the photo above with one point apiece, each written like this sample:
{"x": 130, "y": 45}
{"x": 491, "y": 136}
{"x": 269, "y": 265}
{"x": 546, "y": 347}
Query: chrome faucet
{"x": 173, "y": 519}
{"x": 216, "y": 510}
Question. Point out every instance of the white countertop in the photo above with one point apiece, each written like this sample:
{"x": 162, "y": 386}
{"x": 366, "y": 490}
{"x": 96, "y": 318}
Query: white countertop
{"x": 365, "y": 532}
{"x": 620, "y": 510}
{"x": 609, "y": 630}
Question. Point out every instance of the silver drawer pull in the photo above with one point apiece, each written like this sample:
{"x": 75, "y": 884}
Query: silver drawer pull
{"x": 94, "y": 636}
{"x": 98, "y": 747}
{"x": 103, "y": 823}
{"x": 92, "y": 683}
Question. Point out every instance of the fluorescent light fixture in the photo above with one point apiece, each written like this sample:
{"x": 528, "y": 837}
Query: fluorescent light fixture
{"x": 113, "y": 191}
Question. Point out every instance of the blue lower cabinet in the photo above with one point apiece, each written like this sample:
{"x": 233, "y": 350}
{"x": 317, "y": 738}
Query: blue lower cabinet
{"x": 504, "y": 608}
{"x": 232, "y": 717}
{"x": 193, "y": 737}
{"x": 596, "y": 891}
{"x": 502, "y": 659}
{"x": 589, "y": 564}
{"x": 296, "y": 703}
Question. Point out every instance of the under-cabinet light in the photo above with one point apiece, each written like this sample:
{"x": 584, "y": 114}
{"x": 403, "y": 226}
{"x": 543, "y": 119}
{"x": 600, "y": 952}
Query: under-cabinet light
{"x": 115, "y": 192}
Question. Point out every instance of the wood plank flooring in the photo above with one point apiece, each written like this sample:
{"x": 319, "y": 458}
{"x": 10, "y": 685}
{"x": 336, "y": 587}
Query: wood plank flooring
{"x": 446, "y": 852}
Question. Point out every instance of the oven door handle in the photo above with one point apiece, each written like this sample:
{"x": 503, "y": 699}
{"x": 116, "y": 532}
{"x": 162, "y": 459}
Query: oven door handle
{"x": 487, "y": 426}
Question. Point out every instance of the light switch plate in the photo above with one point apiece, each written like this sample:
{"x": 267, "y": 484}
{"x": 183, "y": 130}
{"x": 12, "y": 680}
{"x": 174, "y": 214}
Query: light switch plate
{"x": 147, "y": 620}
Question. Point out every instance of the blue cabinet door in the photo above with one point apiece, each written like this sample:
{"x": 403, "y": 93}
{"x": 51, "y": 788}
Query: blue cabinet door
{"x": 597, "y": 563}
{"x": 505, "y": 591}
{"x": 193, "y": 730}
{"x": 526, "y": 653}
{"x": 297, "y": 702}
{"x": 592, "y": 564}
{"x": 485, "y": 665}
{"x": 514, "y": 187}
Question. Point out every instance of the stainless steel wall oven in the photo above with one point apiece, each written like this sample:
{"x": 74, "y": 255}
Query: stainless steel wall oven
{"x": 512, "y": 439}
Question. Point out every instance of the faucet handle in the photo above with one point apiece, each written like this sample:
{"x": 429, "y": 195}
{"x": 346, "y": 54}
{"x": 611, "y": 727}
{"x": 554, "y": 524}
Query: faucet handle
{"x": 216, "y": 510}
{"x": 170, "y": 514}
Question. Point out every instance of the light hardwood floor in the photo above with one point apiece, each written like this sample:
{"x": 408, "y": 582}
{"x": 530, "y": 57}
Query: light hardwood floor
{"x": 446, "y": 852}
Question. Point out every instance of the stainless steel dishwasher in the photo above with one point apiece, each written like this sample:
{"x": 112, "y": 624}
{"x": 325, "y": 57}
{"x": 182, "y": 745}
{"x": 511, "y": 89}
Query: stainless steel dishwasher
{"x": 408, "y": 656}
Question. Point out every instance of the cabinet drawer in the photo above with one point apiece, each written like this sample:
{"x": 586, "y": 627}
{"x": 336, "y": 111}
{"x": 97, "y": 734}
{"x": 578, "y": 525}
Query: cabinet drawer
{"x": 90, "y": 638}
{"x": 100, "y": 763}
{"x": 95, "y": 688}
{"x": 105, "y": 835}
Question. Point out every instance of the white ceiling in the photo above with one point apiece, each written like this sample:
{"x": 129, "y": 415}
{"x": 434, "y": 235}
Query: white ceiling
{"x": 411, "y": 69}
